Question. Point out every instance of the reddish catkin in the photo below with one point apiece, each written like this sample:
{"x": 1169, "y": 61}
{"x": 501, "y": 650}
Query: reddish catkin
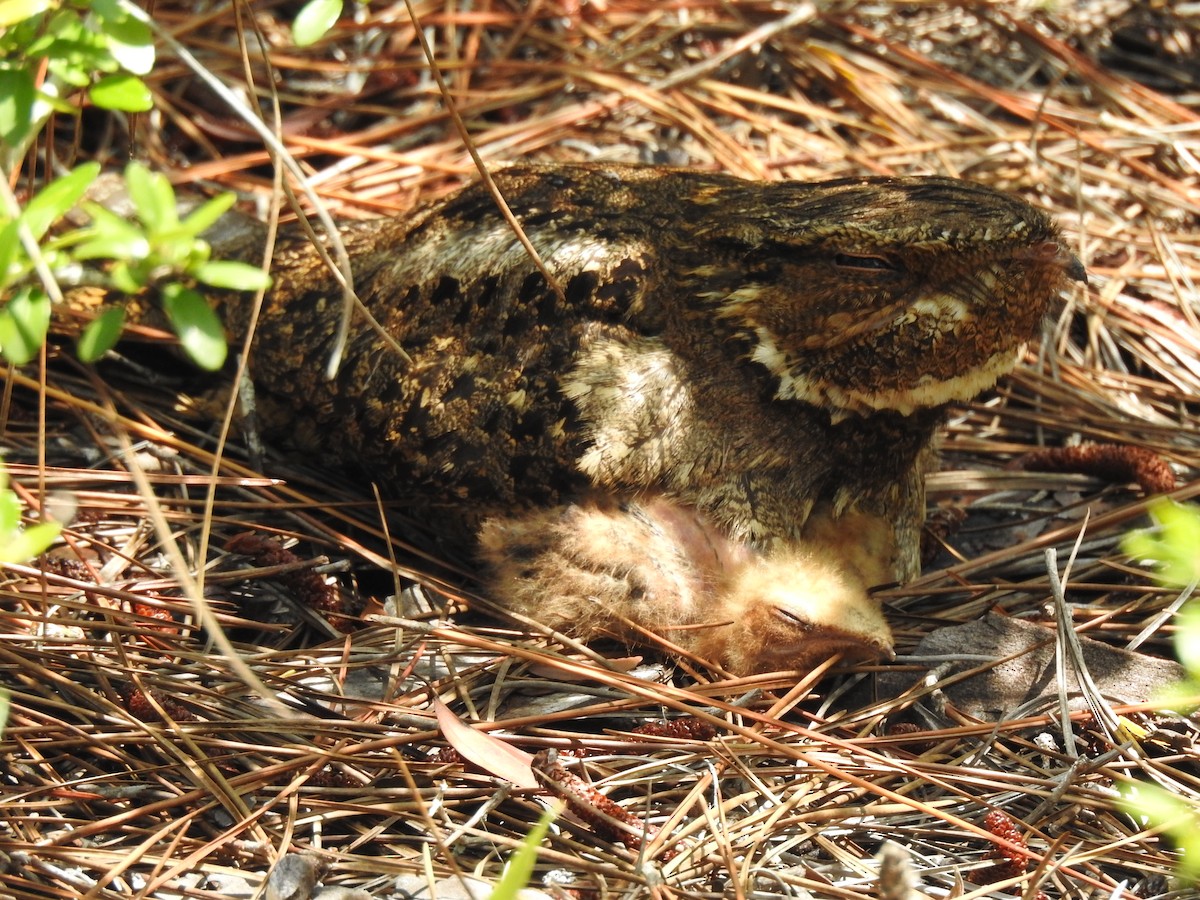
{"x": 156, "y": 612}
{"x": 1012, "y": 863}
{"x": 607, "y": 818}
{"x": 1003, "y": 826}
{"x": 309, "y": 588}
{"x": 447, "y": 756}
{"x": 1112, "y": 462}
{"x": 329, "y": 777}
{"x": 915, "y": 739}
{"x": 141, "y": 708}
{"x": 687, "y": 728}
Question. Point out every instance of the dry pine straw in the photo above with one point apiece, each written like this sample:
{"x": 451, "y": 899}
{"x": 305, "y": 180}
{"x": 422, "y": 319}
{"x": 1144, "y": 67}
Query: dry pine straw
{"x": 137, "y": 758}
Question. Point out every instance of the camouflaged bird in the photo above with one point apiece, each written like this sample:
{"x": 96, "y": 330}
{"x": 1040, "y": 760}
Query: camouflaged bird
{"x": 713, "y": 426}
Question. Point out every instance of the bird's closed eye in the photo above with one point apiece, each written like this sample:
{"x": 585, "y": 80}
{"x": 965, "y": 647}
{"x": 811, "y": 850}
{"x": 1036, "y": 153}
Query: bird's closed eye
{"x": 792, "y": 618}
{"x": 864, "y": 262}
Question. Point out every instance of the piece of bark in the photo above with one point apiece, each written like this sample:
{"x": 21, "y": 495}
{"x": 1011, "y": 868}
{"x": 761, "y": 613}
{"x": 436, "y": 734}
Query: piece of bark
{"x": 1122, "y": 676}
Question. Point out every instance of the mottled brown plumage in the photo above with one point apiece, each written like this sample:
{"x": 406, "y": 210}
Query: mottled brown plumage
{"x": 732, "y": 399}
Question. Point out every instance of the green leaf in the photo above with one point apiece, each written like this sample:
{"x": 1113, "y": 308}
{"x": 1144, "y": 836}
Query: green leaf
{"x": 1176, "y": 544}
{"x": 16, "y": 105}
{"x": 1151, "y": 803}
{"x": 74, "y": 51}
{"x": 202, "y": 218}
{"x": 124, "y": 92}
{"x": 153, "y": 198}
{"x": 131, "y": 246}
{"x": 1187, "y": 637}
{"x": 235, "y": 276}
{"x": 519, "y": 868}
{"x": 101, "y": 334}
{"x": 112, "y": 237}
{"x": 128, "y": 279}
{"x": 10, "y": 513}
{"x": 118, "y": 9}
{"x": 14, "y": 11}
{"x": 108, "y": 9}
{"x": 9, "y": 244}
{"x": 56, "y": 198}
{"x": 22, "y": 546}
{"x": 130, "y": 40}
{"x": 23, "y": 325}
{"x": 199, "y": 330}
{"x": 4, "y": 706}
{"x": 179, "y": 250}
{"x": 48, "y": 103}
{"x": 1180, "y": 696}
{"x": 314, "y": 19}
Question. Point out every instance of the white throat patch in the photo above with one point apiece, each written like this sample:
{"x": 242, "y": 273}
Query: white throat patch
{"x": 924, "y": 391}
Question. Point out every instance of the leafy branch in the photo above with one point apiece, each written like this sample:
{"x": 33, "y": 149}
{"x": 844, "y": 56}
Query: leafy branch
{"x": 157, "y": 254}
{"x": 1174, "y": 546}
